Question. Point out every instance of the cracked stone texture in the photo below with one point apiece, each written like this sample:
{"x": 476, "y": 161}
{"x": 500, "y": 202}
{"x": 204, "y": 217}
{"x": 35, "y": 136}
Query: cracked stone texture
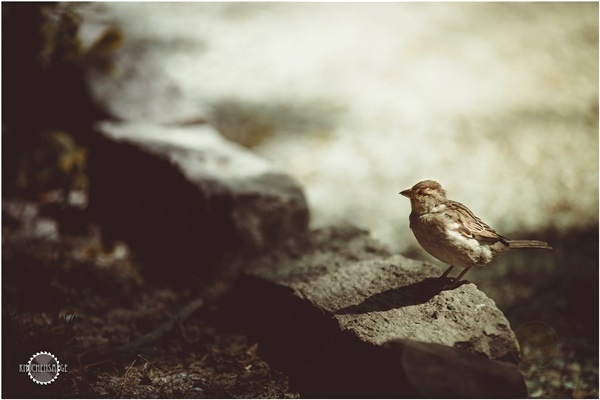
{"x": 382, "y": 297}
{"x": 335, "y": 296}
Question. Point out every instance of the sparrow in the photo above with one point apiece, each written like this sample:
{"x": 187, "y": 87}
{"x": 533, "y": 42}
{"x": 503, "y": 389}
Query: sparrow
{"x": 450, "y": 232}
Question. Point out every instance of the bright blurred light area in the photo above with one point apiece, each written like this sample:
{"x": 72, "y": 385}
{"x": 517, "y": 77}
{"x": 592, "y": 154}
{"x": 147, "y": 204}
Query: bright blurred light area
{"x": 496, "y": 101}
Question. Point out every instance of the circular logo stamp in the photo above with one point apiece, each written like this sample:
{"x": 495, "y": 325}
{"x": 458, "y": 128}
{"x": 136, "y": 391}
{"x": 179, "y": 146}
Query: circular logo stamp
{"x": 43, "y": 368}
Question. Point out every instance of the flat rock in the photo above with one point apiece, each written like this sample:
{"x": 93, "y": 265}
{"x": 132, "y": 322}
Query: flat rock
{"x": 185, "y": 198}
{"x": 338, "y": 300}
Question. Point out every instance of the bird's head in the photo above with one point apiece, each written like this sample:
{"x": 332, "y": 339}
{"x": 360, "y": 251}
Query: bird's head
{"x": 425, "y": 196}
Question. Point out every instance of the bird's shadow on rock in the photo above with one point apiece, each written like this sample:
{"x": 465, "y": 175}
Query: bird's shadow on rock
{"x": 413, "y": 294}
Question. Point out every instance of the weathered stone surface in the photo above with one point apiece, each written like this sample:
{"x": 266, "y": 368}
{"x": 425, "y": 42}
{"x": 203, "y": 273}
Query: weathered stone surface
{"x": 338, "y": 303}
{"x": 185, "y": 198}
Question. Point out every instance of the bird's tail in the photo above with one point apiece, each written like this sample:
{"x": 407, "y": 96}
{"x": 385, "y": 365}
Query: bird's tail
{"x": 528, "y": 244}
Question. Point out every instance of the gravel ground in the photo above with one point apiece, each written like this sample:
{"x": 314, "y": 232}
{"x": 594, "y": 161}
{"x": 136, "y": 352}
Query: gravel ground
{"x": 95, "y": 304}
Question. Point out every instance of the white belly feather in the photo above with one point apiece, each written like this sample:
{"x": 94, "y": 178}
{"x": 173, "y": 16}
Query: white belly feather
{"x": 450, "y": 246}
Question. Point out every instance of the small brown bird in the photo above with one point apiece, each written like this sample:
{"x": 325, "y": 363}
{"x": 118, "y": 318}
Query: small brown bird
{"x": 450, "y": 232}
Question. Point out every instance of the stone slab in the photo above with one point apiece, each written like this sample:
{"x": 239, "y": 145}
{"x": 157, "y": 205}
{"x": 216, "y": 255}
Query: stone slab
{"x": 185, "y": 198}
{"x": 348, "y": 319}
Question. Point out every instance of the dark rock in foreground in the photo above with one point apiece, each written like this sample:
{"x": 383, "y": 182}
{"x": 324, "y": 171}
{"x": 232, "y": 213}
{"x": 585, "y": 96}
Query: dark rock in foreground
{"x": 345, "y": 318}
{"x": 186, "y": 199}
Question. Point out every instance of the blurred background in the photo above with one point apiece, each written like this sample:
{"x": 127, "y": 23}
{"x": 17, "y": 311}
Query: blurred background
{"x": 497, "y": 102}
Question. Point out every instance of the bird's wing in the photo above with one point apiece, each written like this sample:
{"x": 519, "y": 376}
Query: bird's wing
{"x": 469, "y": 225}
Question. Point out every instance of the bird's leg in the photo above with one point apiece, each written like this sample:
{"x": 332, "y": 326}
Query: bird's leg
{"x": 445, "y": 274}
{"x": 457, "y": 279}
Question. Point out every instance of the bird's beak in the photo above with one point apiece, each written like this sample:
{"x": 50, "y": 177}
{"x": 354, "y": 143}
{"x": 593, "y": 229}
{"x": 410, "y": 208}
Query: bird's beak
{"x": 406, "y": 193}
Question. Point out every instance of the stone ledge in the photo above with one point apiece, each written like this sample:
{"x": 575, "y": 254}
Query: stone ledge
{"x": 185, "y": 198}
{"x": 347, "y": 319}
